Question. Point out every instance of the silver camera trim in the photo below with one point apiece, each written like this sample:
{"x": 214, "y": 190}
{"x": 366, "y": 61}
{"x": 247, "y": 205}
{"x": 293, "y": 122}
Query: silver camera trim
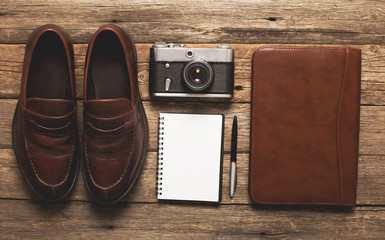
{"x": 179, "y": 54}
{"x": 211, "y": 75}
{"x": 188, "y": 55}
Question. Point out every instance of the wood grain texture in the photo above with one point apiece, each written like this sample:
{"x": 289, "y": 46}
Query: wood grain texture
{"x": 244, "y": 21}
{"x": 370, "y": 190}
{"x": 372, "y": 86}
{"x": 372, "y": 137}
{"x": 68, "y": 220}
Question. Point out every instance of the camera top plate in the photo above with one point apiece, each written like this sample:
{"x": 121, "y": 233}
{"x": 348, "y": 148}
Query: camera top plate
{"x": 162, "y": 52}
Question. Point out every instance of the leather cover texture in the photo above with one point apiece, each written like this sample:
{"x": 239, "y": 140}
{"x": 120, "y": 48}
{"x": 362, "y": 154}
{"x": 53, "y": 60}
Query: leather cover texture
{"x": 305, "y": 125}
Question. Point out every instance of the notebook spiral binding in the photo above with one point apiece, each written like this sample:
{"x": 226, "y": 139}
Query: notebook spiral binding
{"x": 160, "y": 157}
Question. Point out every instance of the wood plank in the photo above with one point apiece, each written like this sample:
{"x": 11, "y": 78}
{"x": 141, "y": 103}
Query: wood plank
{"x": 371, "y": 180}
{"x": 330, "y": 22}
{"x": 68, "y": 220}
{"x": 372, "y": 86}
{"x": 372, "y": 137}
{"x": 152, "y": 110}
{"x": 370, "y": 190}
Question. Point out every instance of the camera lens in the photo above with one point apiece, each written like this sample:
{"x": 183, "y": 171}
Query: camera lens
{"x": 198, "y": 75}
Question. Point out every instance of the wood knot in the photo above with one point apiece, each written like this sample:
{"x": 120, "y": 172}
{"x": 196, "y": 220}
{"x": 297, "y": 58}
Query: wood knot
{"x": 142, "y": 76}
{"x": 109, "y": 227}
{"x": 374, "y": 49}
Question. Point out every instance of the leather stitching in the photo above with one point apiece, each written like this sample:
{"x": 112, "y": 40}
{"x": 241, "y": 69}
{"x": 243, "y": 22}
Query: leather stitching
{"x": 115, "y": 117}
{"x": 30, "y": 158}
{"x": 134, "y": 118}
{"x": 50, "y": 134}
{"x": 125, "y": 169}
{"x": 69, "y": 115}
{"x": 339, "y": 144}
{"x": 50, "y": 129}
{"x": 109, "y": 130}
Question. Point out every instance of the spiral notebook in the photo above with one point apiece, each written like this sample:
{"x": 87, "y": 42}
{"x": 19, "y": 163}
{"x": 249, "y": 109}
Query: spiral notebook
{"x": 190, "y": 157}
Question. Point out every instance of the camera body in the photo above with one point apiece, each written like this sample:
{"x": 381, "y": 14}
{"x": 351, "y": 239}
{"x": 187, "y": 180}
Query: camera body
{"x": 177, "y": 71}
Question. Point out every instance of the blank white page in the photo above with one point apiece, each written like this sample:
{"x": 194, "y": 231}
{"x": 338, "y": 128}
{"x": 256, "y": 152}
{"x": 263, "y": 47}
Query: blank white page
{"x": 190, "y": 156}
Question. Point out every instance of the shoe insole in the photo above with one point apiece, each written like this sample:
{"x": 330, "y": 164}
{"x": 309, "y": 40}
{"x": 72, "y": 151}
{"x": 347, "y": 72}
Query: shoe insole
{"x": 48, "y": 75}
{"x": 109, "y": 68}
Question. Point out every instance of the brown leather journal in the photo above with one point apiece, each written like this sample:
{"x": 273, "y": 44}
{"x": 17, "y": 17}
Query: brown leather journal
{"x": 305, "y": 125}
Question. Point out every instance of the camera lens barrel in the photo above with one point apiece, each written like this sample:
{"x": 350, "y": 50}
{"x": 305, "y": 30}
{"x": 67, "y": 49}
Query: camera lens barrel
{"x": 198, "y": 75}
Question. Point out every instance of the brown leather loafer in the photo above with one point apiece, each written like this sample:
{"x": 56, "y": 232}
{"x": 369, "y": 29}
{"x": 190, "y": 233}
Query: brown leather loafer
{"x": 44, "y": 126}
{"x": 115, "y": 132}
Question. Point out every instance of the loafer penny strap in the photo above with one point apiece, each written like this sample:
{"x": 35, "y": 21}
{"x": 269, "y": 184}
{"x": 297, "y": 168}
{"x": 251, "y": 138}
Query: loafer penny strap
{"x": 115, "y": 126}
{"x": 51, "y": 125}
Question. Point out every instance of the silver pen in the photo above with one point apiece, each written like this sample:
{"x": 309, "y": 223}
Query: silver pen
{"x": 233, "y": 159}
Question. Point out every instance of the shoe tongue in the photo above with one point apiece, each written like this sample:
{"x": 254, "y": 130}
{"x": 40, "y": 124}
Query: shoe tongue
{"x": 108, "y": 107}
{"x": 50, "y": 107}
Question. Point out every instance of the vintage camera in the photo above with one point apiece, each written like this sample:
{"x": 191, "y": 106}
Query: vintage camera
{"x": 178, "y": 71}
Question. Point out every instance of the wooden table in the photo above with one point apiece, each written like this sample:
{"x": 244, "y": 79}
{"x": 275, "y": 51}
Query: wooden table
{"x": 245, "y": 25}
